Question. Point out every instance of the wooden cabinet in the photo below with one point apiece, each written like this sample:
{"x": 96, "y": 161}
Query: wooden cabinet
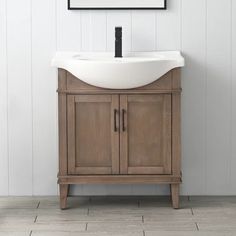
{"x": 93, "y": 143}
{"x": 119, "y": 136}
{"x": 145, "y": 138}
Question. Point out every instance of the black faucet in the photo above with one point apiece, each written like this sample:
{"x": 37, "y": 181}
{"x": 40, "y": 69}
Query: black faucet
{"x": 118, "y": 42}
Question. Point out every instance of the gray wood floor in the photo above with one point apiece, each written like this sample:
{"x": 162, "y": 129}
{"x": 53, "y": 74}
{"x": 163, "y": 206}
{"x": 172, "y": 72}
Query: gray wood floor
{"x": 126, "y": 216}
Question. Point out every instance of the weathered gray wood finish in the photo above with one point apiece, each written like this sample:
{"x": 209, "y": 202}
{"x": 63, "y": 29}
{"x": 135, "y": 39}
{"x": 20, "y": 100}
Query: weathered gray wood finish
{"x": 146, "y": 134}
{"x": 93, "y": 145}
{"x": 119, "y": 136}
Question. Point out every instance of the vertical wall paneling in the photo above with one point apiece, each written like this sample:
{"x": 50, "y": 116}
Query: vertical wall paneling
{"x": 194, "y": 96}
{"x": 143, "y": 30}
{"x": 119, "y": 189}
{"x": 119, "y": 18}
{"x": 94, "y": 30}
{"x": 85, "y": 19}
{"x": 90, "y": 189}
{"x": 98, "y": 29}
{"x": 30, "y": 33}
{"x": 233, "y": 118}
{"x": 68, "y": 27}
{"x": 151, "y": 189}
{"x": 168, "y": 27}
{"x": 218, "y": 99}
{"x": 19, "y": 96}
{"x": 44, "y": 85}
{"x": 3, "y": 102}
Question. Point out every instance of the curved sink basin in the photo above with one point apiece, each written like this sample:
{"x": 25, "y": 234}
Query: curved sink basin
{"x": 134, "y": 70}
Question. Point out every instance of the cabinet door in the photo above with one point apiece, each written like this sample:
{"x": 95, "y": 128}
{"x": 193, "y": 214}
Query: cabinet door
{"x": 93, "y": 134}
{"x": 145, "y": 138}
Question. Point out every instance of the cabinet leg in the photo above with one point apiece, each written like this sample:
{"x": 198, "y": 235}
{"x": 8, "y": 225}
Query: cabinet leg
{"x": 64, "y": 189}
{"x": 175, "y": 195}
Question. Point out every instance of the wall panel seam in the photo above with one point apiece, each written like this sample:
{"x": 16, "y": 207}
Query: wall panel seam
{"x": 231, "y": 95}
{"x": 206, "y": 86}
{"x": 56, "y": 47}
{"x": 106, "y": 30}
{"x": 156, "y": 25}
{"x": 7, "y": 102}
{"x": 181, "y": 25}
{"x": 131, "y": 28}
{"x": 80, "y": 24}
{"x": 32, "y": 96}
{"x": 56, "y": 24}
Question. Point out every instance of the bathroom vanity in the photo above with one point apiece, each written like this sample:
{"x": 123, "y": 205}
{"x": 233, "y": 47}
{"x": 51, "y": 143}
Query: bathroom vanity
{"x": 119, "y": 135}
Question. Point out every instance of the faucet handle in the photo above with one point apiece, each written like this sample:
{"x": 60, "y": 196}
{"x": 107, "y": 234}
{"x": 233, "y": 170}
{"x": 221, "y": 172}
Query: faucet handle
{"x": 118, "y": 31}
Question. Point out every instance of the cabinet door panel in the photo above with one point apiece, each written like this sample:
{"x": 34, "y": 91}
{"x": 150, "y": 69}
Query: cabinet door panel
{"x": 145, "y": 138}
{"x": 93, "y": 144}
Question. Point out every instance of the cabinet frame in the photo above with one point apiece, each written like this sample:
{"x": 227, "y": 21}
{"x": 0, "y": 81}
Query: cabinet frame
{"x": 124, "y": 135}
{"x": 167, "y": 84}
{"x": 72, "y": 100}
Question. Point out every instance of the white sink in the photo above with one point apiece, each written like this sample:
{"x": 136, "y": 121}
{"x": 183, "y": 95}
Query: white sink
{"x": 134, "y": 70}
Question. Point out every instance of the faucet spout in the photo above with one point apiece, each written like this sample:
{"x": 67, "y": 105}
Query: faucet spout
{"x": 118, "y": 41}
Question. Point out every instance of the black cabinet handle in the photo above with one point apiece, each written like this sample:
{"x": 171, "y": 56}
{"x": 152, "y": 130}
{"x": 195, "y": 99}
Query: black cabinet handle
{"x": 115, "y": 121}
{"x": 123, "y": 120}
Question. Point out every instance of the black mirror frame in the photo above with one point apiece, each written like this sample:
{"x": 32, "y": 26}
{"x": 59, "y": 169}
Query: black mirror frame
{"x": 120, "y": 8}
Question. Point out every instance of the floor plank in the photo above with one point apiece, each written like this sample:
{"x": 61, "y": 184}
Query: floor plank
{"x": 53, "y": 202}
{"x": 88, "y": 218}
{"x": 128, "y": 216}
{"x": 218, "y": 225}
{"x": 184, "y": 233}
{"x": 18, "y": 202}
{"x": 14, "y": 233}
{"x": 81, "y": 233}
{"x": 63, "y": 227}
{"x": 131, "y": 226}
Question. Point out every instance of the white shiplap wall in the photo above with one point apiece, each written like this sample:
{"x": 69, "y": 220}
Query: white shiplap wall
{"x": 30, "y": 33}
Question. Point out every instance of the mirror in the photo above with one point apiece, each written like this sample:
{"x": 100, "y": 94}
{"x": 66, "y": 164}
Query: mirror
{"x": 116, "y": 4}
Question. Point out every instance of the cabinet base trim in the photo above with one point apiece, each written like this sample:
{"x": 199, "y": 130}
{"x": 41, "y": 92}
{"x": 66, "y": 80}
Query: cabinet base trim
{"x": 119, "y": 179}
